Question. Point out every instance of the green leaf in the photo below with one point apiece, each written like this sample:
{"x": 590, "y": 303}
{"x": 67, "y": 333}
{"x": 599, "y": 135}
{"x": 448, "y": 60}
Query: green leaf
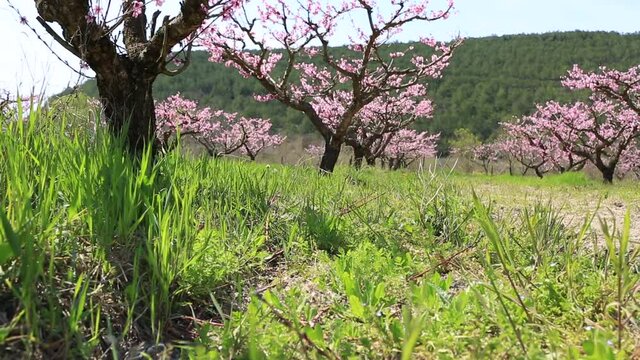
{"x": 11, "y": 236}
{"x": 4, "y": 332}
{"x": 379, "y": 292}
{"x": 349, "y": 284}
{"x": 626, "y": 232}
{"x": 272, "y": 299}
{"x": 589, "y": 347}
{"x": 315, "y": 335}
{"x": 6, "y": 253}
{"x": 356, "y": 306}
{"x": 411, "y": 338}
{"x": 396, "y": 330}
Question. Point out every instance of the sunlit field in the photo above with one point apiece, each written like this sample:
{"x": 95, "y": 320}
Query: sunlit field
{"x": 193, "y": 257}
{"x": 319, "y": 179}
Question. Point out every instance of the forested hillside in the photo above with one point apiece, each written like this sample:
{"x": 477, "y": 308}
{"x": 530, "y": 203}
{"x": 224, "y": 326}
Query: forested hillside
{"x": 489, "y": 80}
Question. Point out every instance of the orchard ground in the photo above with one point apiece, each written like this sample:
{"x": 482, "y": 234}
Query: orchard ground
{"x": 575, "y": 195}
{"x": 194, "y": 257}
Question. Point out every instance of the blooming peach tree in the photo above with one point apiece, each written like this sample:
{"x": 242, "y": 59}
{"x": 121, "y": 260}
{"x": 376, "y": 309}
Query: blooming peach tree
{"x": 314, "y": 150}
{"x": 286, "y": 47}
{"x": 604, "y": 130}
{"x": 622, "y": 89}
{"x": 219, "y": 132}
{"x": 535, "y": 148}
{"x": 599, "y": 131}
{"x": 486, "y": 154}
{"x": 378, "y": 122}
{"x": 406, "y": 146}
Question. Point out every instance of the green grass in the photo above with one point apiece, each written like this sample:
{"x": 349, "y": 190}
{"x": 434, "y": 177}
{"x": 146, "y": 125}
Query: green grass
{"x": 102, "y": 255}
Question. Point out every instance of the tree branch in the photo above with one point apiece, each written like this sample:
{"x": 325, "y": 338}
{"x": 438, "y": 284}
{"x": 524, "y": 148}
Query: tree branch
{"x": 57, "y": 37}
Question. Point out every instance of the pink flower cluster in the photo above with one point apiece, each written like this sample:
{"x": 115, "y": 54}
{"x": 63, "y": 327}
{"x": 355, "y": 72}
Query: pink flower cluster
{"x": 314, "y": 150}
{"x": 486, "y": 153}
{"x": 406, "y": 146}
{"x": 629, "y": 163}
{"x": 384, "y": 122}
{"x": 221, "y": 133}
{"x": 137, "y": 7}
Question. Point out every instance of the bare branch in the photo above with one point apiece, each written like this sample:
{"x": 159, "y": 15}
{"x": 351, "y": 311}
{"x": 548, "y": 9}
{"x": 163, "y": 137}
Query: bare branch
{"x": 57, "y": 37}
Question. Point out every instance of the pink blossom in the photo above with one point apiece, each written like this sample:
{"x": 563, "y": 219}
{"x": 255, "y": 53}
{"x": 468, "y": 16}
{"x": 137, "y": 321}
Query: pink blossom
{"x": 406, "y": 146}
{"x": 315, "y": 150}
{"x": 221, "y": 133}
{"x": 331, "y": 91}
{"x": 137, "y": 6}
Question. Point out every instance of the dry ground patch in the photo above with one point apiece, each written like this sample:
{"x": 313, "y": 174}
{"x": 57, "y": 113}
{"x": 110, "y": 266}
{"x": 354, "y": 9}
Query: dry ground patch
{"x": 574, "y": 202}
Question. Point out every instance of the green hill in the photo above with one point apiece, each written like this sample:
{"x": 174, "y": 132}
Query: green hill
{"x": 489, "y": 80}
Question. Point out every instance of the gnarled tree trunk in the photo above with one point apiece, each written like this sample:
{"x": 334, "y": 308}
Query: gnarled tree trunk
{"x": 607, "y": 168}
{"x": 396, "y": 164}
{"x": 125, "y": 75}
{"x": 335, "y": 140}
{"x": 607, "y": 173}
{"x": 127, "y": 99}
{"x": 538, "y": 172}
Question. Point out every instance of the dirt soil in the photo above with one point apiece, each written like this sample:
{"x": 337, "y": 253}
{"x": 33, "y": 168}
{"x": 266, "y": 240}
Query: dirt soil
{"x": 575, "y": 203}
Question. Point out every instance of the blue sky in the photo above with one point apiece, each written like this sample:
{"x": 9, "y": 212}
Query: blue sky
{"x": 27, "y": 63}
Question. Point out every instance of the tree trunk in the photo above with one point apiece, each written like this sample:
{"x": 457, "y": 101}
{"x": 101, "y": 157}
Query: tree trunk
{"x": 124, "y": 78}
{"x": 538, "y": 173}
{"x": 395, "y": 164}
{"x": 330, "y": 156}
{"x": 607, "y": 169}
{"x": 371, "y": 161}
{"x": 358, "y": 156}
{"x": 127, "y": 98}
{"x": 607, "y": 174}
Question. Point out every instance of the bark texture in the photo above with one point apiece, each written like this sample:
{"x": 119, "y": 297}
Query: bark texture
{"x": 330, "y": 156}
